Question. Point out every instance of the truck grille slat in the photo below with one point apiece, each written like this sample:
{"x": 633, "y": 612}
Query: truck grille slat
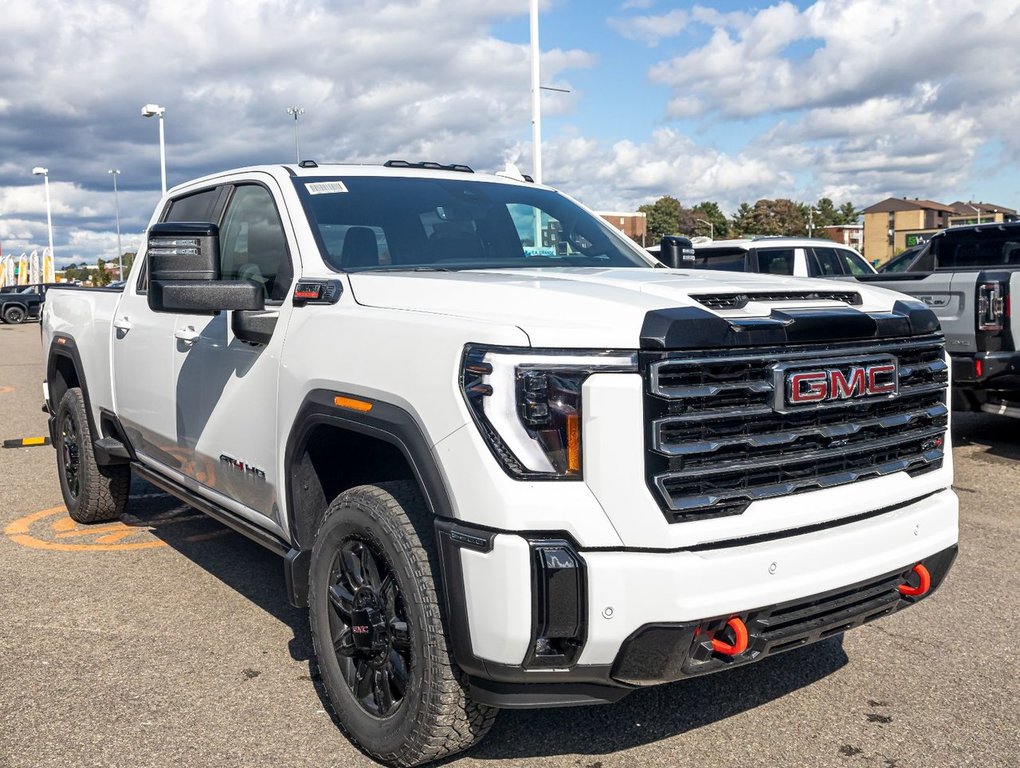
{"x": 716, "y": 441}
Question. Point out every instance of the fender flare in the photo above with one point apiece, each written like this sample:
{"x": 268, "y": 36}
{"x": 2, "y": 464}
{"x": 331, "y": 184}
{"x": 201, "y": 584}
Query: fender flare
{"x": 385, "y": 421}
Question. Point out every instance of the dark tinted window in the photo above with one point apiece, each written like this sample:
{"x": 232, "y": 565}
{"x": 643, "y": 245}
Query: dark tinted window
{"x": 828, "y": 261}
{"x": 393, "y": 222}
{"x": 775, "y": 261}
{"x": 252, "y": 243}
{"x": 978, "y": 249}
{"x": 902, "y": 261}
{"x": 197, "y": 207}
{"x": 725, "y": 259}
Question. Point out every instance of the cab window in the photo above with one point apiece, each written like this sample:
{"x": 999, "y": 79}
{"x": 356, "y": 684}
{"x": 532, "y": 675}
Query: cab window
{"x": 252, "y": 242}
{"x": 776, "y": 261}
{"x": 827, "y": 261}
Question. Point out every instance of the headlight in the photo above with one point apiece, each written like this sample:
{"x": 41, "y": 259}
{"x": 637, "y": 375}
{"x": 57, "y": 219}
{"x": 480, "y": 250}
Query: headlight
{"x": 527, "y": 404}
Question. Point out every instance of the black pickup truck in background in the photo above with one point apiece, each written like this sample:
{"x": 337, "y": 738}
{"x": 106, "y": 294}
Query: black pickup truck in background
{"x": 19, "y": 303}
{"x": 967, "y": 275}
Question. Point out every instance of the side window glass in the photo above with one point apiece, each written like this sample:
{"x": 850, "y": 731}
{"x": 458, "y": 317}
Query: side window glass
{"x": 775, "y": 261}
{"x": 196, "y": 207}
{"x": 852, "y": 263}
{"x": 252, "y": 243}
{"x": 828, "y": 261}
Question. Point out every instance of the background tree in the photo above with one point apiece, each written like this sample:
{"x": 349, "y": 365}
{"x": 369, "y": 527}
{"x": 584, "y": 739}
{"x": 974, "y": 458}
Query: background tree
{"x": 663, "y": 217}
{"x": 847, "y": 214}
{"x": 742, "y": 221}
{"x": 710, "y": 211}
{"x": 100, "y": 277}
{"x": 778, "y": 217}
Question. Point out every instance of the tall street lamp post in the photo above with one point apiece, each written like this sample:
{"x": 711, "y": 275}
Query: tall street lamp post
{"x": 154, "y": 110}
{"x": 711, "y": 227}
{"x": 45, "y": 173}
{"x": 295, "y": 112}
{"x": 116, "y": 206}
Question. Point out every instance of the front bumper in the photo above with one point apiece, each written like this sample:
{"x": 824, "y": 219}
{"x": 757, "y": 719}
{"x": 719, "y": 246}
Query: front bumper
{"x": 644, "y": 617}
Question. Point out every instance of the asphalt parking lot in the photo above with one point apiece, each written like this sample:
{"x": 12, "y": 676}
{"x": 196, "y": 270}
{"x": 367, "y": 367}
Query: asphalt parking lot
{"x": 166, "y": 640}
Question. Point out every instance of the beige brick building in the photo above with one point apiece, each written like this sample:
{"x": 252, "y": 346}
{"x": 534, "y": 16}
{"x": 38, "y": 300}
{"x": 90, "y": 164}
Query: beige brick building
{"x": 898, "y": 223}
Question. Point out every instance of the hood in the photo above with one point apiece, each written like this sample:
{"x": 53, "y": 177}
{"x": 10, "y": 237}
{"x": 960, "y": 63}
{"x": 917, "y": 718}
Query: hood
{"x": 586, "y": 307}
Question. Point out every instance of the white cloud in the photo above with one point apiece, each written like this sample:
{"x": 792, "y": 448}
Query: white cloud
{"x": 652, "y": 29}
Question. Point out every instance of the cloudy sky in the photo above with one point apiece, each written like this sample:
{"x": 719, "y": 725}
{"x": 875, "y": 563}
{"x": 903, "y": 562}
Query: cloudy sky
{"x": 728, "y": 101}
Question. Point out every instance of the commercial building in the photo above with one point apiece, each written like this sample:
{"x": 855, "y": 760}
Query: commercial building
{"x": 898, "y": 223}
{"x": 634, "y": 225}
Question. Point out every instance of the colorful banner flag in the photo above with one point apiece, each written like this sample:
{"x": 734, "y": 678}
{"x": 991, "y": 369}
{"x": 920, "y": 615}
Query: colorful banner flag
{"x": 49, "y": 274}
{"x": 34, "y": 269}
{"x": 23, "y": 269}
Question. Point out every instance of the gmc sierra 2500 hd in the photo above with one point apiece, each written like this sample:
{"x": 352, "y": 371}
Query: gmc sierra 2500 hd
{"x": 510, "y": 461}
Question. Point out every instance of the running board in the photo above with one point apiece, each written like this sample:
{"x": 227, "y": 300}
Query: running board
{"x": 230, "y": 519}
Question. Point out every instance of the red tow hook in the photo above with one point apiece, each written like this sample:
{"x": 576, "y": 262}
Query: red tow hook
{"x": 739, "y": 642}
{"x": 924, "y": 583}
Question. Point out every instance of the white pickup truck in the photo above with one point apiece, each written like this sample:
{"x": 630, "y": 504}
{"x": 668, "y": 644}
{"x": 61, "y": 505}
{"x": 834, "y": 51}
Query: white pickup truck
{"x": 510, "y": 461}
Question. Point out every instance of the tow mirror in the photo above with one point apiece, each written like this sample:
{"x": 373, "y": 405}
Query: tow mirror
{"x": 676, "y": 252}
{"x": 183, "y": 260}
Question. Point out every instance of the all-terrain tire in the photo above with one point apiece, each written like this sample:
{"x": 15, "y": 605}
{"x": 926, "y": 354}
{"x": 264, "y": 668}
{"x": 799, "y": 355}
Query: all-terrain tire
{"x": 435, "y": 715}
{"x": 91, "y": 493}
{"x": 14, "y": 314}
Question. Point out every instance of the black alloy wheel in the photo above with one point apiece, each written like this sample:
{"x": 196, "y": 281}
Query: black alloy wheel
{"x": 380, "y": 642}
{"x": 369, "y": 628}
{"x": 70, "y": 452}
{"x": 14, "y": 315}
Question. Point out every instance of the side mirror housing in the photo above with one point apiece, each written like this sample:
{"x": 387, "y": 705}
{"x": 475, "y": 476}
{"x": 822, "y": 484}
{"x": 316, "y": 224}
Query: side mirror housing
{"x": 183, "y": 260}
{"x": 676, "y": 252}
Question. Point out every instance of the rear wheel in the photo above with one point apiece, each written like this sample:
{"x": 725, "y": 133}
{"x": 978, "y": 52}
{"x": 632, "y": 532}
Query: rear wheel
{"x": 91, "y": 493}
{"x": 378, "y": 633}
{"x": 14, "y": 315}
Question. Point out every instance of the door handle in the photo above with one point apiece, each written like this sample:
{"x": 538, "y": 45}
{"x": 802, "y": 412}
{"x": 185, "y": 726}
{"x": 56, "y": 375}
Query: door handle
{"x": 188, "y": 335}
{"x": 122, "y": 324}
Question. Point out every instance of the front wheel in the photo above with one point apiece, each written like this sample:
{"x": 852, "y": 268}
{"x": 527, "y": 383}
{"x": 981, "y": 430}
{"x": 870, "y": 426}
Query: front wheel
{"x": 378, "y": 633}
{"x": 91, "y": 493}
{"x": 14, "y": 315}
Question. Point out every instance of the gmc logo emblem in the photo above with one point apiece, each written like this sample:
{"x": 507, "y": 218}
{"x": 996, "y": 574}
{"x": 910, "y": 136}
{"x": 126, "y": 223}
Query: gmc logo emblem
{"x": 834, "y": 383}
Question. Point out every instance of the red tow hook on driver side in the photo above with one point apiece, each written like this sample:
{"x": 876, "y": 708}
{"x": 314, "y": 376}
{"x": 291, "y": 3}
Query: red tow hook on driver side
{"x": 923, "y": 585}
{"x": 740, "y": 639}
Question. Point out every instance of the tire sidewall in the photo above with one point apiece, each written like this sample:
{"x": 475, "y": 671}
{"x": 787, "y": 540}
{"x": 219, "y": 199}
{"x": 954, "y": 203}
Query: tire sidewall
{"x": 72, "y": 406}
{"x": 359, "y": 517}
{"x": 18, "y": 313}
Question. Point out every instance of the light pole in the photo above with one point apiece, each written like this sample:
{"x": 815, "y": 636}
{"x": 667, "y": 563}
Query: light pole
{"x": 154, "y": 110}
{"x": 45, "y": 173}
{"x": 977, "y": 210}
{"x": 711, "y": 227}
{"x": 536, "y": 99}
{"x": 295, "y": 112}
{"x": 116, "y": 206}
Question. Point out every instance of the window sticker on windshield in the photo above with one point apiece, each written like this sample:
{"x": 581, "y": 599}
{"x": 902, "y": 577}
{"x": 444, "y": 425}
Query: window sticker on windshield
{"x": 531, "y": 251}
{"x": 325, "y": 187}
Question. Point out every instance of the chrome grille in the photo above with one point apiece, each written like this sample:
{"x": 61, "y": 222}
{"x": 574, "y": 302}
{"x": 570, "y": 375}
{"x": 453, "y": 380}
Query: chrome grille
{"x": 716, "y": 442}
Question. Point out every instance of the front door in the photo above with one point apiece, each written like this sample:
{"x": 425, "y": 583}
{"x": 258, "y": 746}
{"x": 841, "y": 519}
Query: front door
{"x": 225, "y": 389}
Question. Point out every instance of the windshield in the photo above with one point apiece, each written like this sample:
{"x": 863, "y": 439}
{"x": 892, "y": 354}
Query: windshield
{"x": 372, "y": 223}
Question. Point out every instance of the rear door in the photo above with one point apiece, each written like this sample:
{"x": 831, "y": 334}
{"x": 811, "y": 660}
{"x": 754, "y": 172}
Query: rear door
{"x": 143, "y": 344}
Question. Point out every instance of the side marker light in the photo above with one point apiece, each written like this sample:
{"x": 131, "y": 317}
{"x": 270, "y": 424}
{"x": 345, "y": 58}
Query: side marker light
{"x": 352, "y": 404}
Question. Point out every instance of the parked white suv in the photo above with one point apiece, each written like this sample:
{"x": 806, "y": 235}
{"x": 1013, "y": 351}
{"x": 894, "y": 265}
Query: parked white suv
{"x": 798, "y": 256}
{"x": 508, "y": 460}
